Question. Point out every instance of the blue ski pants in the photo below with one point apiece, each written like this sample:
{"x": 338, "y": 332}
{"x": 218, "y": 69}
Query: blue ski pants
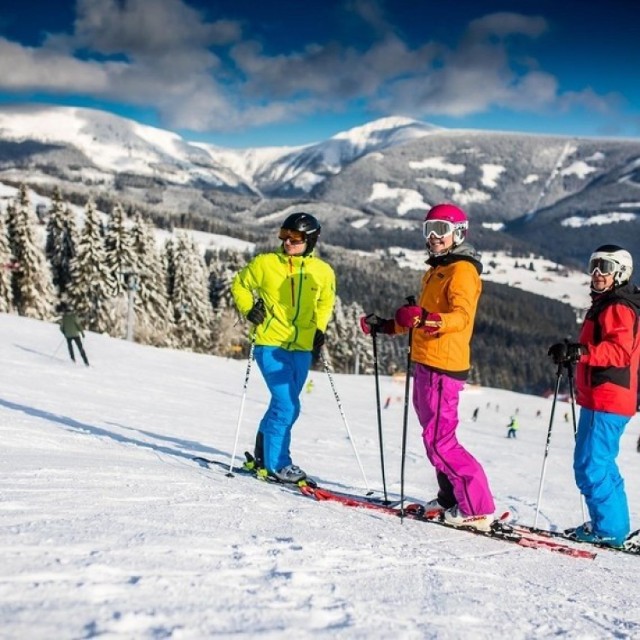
{"x": 285, "y": 373}
{"x": 597, "y": 474}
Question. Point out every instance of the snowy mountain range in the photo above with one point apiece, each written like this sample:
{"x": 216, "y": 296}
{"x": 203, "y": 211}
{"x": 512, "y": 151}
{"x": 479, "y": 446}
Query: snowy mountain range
{"x": 550, "y": 194}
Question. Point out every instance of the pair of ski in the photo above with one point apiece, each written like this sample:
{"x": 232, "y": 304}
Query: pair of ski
{"x": 500, "y": 530}
{"x": 521, "y": 535}
{"x": 630, "y": 546}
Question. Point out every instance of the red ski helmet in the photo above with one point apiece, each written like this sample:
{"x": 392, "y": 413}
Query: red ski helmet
{"x": 444, "y": 219}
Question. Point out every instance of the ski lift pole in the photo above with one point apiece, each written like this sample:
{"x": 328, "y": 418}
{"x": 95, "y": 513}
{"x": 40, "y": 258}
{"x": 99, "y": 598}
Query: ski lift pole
{"x": 546, "y": 448}
{"x": 325, "y": 364}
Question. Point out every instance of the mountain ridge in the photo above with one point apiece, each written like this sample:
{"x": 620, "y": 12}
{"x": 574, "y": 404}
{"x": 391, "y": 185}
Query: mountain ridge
{"x": 530, "y": 191}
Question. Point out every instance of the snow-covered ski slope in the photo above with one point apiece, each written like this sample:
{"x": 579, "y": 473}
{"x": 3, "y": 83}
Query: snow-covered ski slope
{"x": 108, "y": 529}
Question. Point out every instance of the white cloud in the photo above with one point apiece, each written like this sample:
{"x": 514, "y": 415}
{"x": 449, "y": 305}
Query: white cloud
{"x": 210, "y": 75}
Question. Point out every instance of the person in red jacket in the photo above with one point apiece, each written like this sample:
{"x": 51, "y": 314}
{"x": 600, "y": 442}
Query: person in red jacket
{"x": 608, "y": 356}
{"x": 442, "y": 323}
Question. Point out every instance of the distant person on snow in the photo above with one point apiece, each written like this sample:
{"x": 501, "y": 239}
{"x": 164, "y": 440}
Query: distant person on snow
{"x": 288, "y": 295}
{"x": 72, "y": 330}
{"x": 512, "y": 427}
{"x": 607, "y": 355}
{"x": 442, "y": 324}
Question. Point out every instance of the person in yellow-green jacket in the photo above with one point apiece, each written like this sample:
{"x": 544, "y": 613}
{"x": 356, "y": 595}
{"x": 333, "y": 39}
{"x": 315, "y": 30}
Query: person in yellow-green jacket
{"x": 288, "y": 295}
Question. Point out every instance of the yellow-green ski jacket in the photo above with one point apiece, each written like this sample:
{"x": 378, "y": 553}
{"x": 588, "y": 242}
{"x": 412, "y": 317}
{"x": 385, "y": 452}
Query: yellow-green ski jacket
{"x": 298, "y": 292}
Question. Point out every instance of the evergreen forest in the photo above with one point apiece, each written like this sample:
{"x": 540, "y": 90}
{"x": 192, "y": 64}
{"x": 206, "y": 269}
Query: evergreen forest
{"x": 112, "y": 272}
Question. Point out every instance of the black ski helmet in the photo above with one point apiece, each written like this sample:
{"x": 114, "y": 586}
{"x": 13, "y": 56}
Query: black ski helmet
{"x": 307, "y": 224}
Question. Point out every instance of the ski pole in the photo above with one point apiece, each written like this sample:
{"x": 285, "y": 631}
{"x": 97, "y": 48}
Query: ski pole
{"x": 53, "y": 355}
{"x": 244, "y": 396}
{"x": 325, "y": 364}
{"x": 377, "y": 379}
{"x": 575, "y": 426}
{"x": 405, "y": 418}
{"x": 546, "y": 448}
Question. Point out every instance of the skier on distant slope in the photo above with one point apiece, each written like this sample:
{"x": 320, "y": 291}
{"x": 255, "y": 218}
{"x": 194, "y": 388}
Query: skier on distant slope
{"x": 607, "y": 355}
{"x": 442, "y": 326}
{"x": 73, "y": 332}
{"x": 295, "y": 296}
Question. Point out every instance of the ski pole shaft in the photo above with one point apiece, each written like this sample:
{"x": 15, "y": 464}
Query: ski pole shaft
{"x": 379, "y": 414}
{"x": 325, "y": 364}
{"x": 405, "y": 420}
{"x": 241, "y": 411}
{"x": 546, "y": 448}
{"x": 53, "y": 355}
{"x": 575, "y": 427}
{"x": 405, "y": 416}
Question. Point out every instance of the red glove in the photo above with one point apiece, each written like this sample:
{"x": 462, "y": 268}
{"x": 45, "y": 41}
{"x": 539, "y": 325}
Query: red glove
{"x": 411, "y": 316}
{"x": 373, "y": 324}
{"x": 432, "y": 323}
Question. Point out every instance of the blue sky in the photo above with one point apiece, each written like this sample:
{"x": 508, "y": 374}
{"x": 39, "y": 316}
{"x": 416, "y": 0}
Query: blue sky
{"x": 286, "y": 72}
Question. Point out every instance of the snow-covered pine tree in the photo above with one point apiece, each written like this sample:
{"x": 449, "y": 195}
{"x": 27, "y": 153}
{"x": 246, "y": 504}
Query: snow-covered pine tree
{"x": 90, "y": 291}
{"x": 223, "y": 266}
{"x": 361, "y": 344}
{"x": 152, "y": 309}
{"x": 62, "y": 237}
{"x": 347, "y": 345}
{"x": 6, "y": 268}
{"x": 168, "y": 258}
{"x": 192, "y": 311}
{"x": 118, "y": 249}
{"x": 33, "y": 293}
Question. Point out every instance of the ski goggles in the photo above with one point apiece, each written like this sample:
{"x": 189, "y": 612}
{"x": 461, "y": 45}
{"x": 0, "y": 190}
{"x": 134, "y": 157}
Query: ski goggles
{"x": 293, "y": 236}
{"x": 603, "y": 266}
{"x": 439, "y": 228}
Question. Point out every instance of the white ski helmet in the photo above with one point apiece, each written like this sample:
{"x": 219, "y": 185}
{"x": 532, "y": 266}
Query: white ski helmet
{"x": 612, "y": 259}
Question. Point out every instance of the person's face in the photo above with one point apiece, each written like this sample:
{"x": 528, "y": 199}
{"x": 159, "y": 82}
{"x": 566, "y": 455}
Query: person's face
{"x": 602, "y": 272}
{"x": 600, "y": 281}
{"x": 439, "y": 235}
{"x": 293, "y": 242}
{"x": 439, "y": 245}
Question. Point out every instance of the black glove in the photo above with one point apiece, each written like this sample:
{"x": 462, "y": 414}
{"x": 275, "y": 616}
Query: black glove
{"x": 373, "y": 324}
{"x": 257, "y": 313}
{"x": 318, "y": 341}
{"x": 566, "y": 352}
{"x": 575, "y": 350}
{"x": 558, "y": 352}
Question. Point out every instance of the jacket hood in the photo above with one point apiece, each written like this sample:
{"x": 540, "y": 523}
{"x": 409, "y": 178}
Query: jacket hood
{"x": 628, "y": 293}
{"x": 465, "y": 252}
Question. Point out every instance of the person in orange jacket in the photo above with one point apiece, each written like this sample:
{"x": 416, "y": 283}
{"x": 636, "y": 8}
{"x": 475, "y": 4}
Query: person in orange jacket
{"x": 442, "y": 323}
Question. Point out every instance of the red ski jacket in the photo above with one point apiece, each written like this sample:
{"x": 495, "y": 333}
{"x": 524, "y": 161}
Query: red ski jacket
{"x": 607, "y": 376}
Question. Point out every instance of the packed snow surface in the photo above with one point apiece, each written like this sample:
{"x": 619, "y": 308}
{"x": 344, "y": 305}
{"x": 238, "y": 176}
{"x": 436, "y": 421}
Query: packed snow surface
{"x": 108, "y": 529}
